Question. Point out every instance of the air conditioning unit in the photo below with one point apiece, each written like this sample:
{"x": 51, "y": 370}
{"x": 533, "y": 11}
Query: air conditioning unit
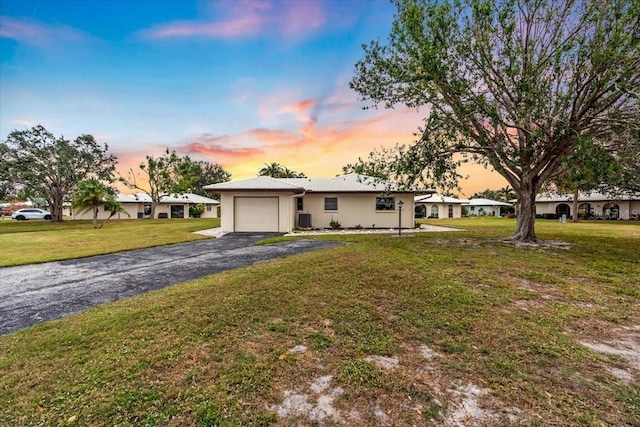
{"x": 304, "y": 220}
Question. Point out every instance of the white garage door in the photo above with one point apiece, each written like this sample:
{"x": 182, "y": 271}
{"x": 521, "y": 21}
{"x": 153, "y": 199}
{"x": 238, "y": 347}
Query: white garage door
{"x": 255, "y": 213}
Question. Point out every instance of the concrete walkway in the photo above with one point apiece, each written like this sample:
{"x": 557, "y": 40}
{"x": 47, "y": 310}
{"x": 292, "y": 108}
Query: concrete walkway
{"x": 35, "y": 293}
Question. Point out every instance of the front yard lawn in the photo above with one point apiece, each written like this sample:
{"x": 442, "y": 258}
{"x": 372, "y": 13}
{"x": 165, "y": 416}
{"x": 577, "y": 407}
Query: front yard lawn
{"x": 427, "y": 329}
{"x": 28, "y": 242}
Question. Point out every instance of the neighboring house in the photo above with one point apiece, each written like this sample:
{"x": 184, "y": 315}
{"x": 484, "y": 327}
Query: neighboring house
{"x": 592, "y": 205}
{"x": 174, "y": 206}
{"x": 484, "y": 207}
{"x": 282, "y": 204}
{"x": 436, "y": 206}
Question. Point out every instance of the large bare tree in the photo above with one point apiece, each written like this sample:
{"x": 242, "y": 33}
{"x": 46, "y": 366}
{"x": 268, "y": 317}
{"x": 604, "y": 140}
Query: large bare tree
{"x": 517, "y": 84}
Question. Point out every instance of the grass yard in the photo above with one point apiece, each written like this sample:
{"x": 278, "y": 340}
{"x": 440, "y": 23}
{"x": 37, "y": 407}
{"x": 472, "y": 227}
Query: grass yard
{"x": 28, "y": 242}
{"x": 428, "y": 329}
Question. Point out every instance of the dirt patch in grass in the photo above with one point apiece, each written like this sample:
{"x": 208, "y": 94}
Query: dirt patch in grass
{"x": 619, "y": 346}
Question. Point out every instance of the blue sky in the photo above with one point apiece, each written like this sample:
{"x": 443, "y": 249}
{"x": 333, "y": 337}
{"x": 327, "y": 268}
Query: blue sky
{"x": 241, "y": 83}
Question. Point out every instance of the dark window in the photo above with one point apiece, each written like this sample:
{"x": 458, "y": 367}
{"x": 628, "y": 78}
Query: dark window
{"x": 385, "y": 203}
{"x": 299, "y": 204}
{"x": 208, "y": 208}
{"x": 177, "y": 211}
{"x": 147, "y": 209}
{"x": 330, "y": 203}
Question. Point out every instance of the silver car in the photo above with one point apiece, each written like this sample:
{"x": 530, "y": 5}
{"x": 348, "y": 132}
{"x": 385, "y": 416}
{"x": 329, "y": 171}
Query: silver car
{"x": 31, "y": 213}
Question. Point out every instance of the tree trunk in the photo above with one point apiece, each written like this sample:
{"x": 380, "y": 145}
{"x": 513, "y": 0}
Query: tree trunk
{"x": 153, "y": 209}
{"x": 95, "y": 217}
{"x": 525, "y": 228}
{"x": 574, "y": 215}
{"x": 56, "y": 208}
{"x": 108, "y": 218}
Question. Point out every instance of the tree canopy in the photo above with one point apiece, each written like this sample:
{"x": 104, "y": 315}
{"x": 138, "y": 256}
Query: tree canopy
{"x": 162, "y": 176}
{"x": 276, "y": 170}
{"x": 50, "y": 167}
{"x": 515, "y": 84}
{"x": 210, "y": 173}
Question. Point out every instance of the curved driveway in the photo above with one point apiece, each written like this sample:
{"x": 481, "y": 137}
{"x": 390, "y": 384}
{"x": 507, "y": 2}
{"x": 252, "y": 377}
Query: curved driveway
{"x": 35, "y": 293}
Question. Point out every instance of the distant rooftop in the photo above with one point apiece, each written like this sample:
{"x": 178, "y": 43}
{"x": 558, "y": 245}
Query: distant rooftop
{"x": 173, "y": 198}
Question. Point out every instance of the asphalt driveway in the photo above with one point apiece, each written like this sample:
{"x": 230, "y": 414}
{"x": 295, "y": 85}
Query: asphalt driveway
{"x": 35, "y": 293}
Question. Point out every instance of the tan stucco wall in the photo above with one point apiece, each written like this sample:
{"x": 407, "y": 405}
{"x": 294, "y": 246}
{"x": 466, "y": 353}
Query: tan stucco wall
{"x": 488, "y": 210}
{"x": 133, "y": 209}
{"x": 443, "y": 209}
{"x": 213, "y": 213}
{"x": 353, "y": 210}
{"x": 357, "y": 210}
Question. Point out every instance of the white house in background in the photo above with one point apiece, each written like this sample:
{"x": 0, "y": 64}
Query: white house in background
{"x": 282, "y": 204}
{"x": 484, "y": 207}
{"x": 436, "y": 206}
{"x": 590, "y": 205}
{"x": 174, "y": 206}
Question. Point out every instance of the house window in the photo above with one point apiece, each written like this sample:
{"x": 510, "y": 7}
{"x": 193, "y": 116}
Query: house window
{"x": 300, "y": 204}
{"x": 208, "y": 208}
{"x": 330, "y": 203}
{"x": 434, "y": 212}
{"x": 385, "y": 203}
{"x": 177, "y": 211}
{"x": 147, "y": 209}
{"x": 450, "y": 211}
{"x": 473, "y": 208}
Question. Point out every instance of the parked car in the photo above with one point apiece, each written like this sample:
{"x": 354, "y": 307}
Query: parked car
{"x": 5, "y": 212}
{"x": 31, "y": 213}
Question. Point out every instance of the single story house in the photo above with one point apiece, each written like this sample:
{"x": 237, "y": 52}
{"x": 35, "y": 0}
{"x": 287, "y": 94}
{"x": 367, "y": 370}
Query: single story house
{"x": 484, "y": 207}
{"x": 173, "y": 206}
{"x": 436, "y": 206}
{"x": 282, "y": 204}
{"x": 593, "y": 205}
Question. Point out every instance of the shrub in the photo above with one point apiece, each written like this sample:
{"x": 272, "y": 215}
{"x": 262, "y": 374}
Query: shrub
{"x": 335, "y": 224}
{"x": 196, "y": 211}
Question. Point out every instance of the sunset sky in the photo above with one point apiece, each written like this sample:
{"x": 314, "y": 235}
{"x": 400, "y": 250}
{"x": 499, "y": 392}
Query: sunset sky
{"x": 241, "y": 83}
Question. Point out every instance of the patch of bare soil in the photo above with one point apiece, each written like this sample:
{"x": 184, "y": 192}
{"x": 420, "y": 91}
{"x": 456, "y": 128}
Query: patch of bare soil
{"x": 456, "y": 403}
{"x": 623, "y": 342}
{"x": 544, "y": 244}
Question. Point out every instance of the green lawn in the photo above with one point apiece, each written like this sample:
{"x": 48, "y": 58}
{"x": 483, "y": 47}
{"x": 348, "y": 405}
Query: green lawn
{"x": 471, "y": 330}
{"x": 28, "y": 242}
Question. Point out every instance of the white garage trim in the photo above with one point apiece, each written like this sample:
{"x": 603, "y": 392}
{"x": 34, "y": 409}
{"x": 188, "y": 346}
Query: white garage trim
{"x": 255, "y": 213}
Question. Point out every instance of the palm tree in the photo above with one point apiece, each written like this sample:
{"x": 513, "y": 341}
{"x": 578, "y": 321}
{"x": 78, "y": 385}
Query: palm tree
{"x": 507, "y": 193}
{"x": 114, "y": 207}
{"x": 276, "y": 170}
{"x": 273, "y": 170}
{"x": 90, "y": 195}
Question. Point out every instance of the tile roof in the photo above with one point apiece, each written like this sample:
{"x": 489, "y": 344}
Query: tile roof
{"x": 173, "y": 198}
{"x": 436, "y": 198}
{"x": 486, "y": 202}
{"x": 351, "y": 183}
{"x": 259, "y": 183}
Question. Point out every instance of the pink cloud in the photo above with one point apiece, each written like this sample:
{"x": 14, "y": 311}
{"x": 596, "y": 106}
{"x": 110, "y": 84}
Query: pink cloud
{"x": 248, "y": 18}
{"x": 220, "y": 151}
{"x": 38, "y": 34}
